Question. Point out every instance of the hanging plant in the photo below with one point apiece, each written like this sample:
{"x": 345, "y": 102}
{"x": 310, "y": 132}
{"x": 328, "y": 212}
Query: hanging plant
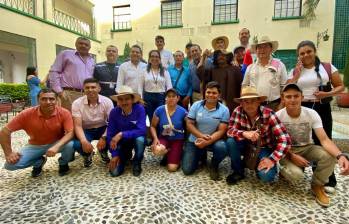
{"x": 309, "y": 9}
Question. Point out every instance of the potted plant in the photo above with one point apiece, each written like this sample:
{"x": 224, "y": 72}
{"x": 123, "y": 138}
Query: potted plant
{"x": 343, "y": 98}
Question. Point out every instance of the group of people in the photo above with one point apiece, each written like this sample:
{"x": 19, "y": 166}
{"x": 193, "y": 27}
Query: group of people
{"x": 240, "y": 104}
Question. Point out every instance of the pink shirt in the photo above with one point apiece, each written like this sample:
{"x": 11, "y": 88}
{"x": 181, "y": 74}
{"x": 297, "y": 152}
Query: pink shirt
{"x": 92, "y": 116}
{"x": 70, "y": 70}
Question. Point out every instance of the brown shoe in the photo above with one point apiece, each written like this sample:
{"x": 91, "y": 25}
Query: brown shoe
{"x": 320, "y": 195}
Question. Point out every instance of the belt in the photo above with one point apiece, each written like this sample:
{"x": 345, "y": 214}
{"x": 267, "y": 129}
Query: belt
{"x": 107, "y": 82}
{"x": 72, "y": 89}
{"x": 274, "y": 101}
{"x": 311, "y": 101}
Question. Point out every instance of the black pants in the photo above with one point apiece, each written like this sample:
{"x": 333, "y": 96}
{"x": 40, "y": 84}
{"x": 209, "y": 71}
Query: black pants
{"x": 324, "y": 110}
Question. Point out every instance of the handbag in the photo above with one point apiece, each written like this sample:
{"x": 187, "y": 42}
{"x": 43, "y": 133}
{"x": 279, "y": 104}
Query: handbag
{"x": 328, "y": 86}
{"x": 251, "y": 152}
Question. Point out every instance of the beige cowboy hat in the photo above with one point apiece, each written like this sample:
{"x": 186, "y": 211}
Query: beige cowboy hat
{"x": 126, "y": 90}
{"x": 249, "y": 92}
{"x": 224, "y": 38}
{"x": 264, "y": 40}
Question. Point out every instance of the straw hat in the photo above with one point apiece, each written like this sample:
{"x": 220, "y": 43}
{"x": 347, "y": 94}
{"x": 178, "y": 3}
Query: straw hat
{"x": 126, "y": 90}
{"x": 249, "y": 92}
{"x": 264, "y": 40}
{"x": 224, "y": 38}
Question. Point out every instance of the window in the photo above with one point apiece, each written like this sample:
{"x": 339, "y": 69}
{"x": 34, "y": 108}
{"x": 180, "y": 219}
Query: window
{"x": 122, "y": 17}
{"x": 287, "y": 8}
{"x": 225, "y": 11}
{"x": 171, "y": 13}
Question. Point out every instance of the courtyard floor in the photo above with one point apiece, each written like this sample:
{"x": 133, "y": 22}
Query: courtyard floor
{"x": 92, "y": 196}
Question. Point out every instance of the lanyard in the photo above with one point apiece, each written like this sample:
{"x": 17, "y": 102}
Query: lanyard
{"x": 155, "y": 79}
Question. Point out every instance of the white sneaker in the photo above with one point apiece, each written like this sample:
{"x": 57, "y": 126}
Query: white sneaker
{"x": 330, "y": 190}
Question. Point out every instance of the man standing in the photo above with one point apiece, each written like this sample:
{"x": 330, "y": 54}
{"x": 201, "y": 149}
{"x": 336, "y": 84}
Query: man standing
{"x": 244, "y": 37}
{"x": 90, "y": 114}
{"x": 189, "y": 58}
{"x": 195, "y": 81}
{"x": 107, "y": 72}
{"x": 69, "y": 71}
{"x": 268, "y": 75}
{"x": 181, "y": 79}
{"x": 299, "y": 122}
{"x": 166, "y": 56}
{"x": 251, "y": 123}
{"x": 126, "y": 131}
{"x": 50, "y": 129}
{"x": 207, "y": 124}
{"x": 130, "y": 72}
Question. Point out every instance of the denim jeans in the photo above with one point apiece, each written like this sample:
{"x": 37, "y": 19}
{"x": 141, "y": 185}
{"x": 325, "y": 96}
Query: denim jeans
{"x": 235, "y": 149}
{"x": 125, "y": 152}
{"x": 31, "y": 156}
{"x": 153, "y": 101}
{"x": 90, "y": 134}
{"x": 192, "y": 155}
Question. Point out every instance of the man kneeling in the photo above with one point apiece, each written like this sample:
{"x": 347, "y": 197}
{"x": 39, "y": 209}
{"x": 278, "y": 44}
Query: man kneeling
{"x": 50, "y": 129}
{"x": 299, "y": 122}
{"x": 126, "y": 131}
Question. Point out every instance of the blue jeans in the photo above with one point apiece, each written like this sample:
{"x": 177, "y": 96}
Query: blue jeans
{"x": 192, "y": 155}
{"x": 235, "y": 149}
{"x": 31, "y": 156}
{"x": 125, "y": 152}
{"x": 153, "y": 101}
{"x": 90, "y": 134}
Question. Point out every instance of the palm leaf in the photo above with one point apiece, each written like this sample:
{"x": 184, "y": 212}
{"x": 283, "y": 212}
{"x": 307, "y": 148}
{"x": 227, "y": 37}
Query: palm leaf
{"x": 309, "y": 9}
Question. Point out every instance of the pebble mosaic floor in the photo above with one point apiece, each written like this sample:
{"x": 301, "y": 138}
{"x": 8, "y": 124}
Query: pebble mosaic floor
{"x": 92, "y": 196}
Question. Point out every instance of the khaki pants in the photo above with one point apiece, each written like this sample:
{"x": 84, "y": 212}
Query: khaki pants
{"x": 68, "y": 98}
{"x": 325, "y": 164}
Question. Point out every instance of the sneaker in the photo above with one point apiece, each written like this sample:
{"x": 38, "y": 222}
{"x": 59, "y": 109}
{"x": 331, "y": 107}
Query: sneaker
{"x": 214, "y": 173}
{"x": 104, "y": 156}
{"x": 37, "y": 171}
{"x": 88, "y": 160}
{"x": 234, "y": 178}
{"x": 63, "y": 170}
{"x": 320, "y": 195}
{"x": 330, "y": 190}
{"x": 137, "y": 170}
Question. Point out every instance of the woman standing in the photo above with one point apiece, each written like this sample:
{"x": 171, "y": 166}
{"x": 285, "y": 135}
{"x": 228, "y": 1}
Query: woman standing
{"x": 167, "y": 130}
{"x": 34, "y": 85}
{"x": 154, "y": 82}
{"x": 315, "y": 79}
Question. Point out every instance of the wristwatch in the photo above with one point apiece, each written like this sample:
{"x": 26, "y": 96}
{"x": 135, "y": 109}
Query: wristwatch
{"x": 342, "y": 154}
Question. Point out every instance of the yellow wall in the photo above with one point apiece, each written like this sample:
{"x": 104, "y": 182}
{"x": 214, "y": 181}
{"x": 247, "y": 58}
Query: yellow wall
{"x": 253, "y": 14}
{"x": 73, "y": 9}
{"x": 46, "y": 36}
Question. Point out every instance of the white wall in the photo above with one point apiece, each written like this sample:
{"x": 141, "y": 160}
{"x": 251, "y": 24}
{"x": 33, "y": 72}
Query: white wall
{"x": 14, "y": 65}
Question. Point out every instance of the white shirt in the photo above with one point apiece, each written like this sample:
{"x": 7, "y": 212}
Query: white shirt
{"x": 92, "y": 116}
{"x": 300, "y": 128}
{"x": 309, "y": 82}
{"x": 130, "y": 75}
{"x": 268, "y": 80}
{"x": 155, "y": 83}
{"x": 166, "y": 58}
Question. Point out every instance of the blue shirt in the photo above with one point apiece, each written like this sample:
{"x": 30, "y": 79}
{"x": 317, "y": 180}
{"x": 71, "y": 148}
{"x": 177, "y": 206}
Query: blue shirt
{"x": 177, "y": 119}
{"x": 132, "y": 125}
{"x": 183, "y": 87}
{"x": 207, "y": 121}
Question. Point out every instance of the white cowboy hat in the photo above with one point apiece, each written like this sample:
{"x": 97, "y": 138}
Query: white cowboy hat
{"x": 249, "y": 92}
{"x": 126, "y": 90}
{"x": 264, "y": 40}
{"x": 224, "y": 38}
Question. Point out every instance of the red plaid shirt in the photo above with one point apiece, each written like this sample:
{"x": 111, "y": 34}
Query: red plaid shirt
{"x": 272, "y": 132}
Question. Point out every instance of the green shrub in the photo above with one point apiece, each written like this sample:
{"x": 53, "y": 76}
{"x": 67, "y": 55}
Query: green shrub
{"x": 15, "y": 91}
